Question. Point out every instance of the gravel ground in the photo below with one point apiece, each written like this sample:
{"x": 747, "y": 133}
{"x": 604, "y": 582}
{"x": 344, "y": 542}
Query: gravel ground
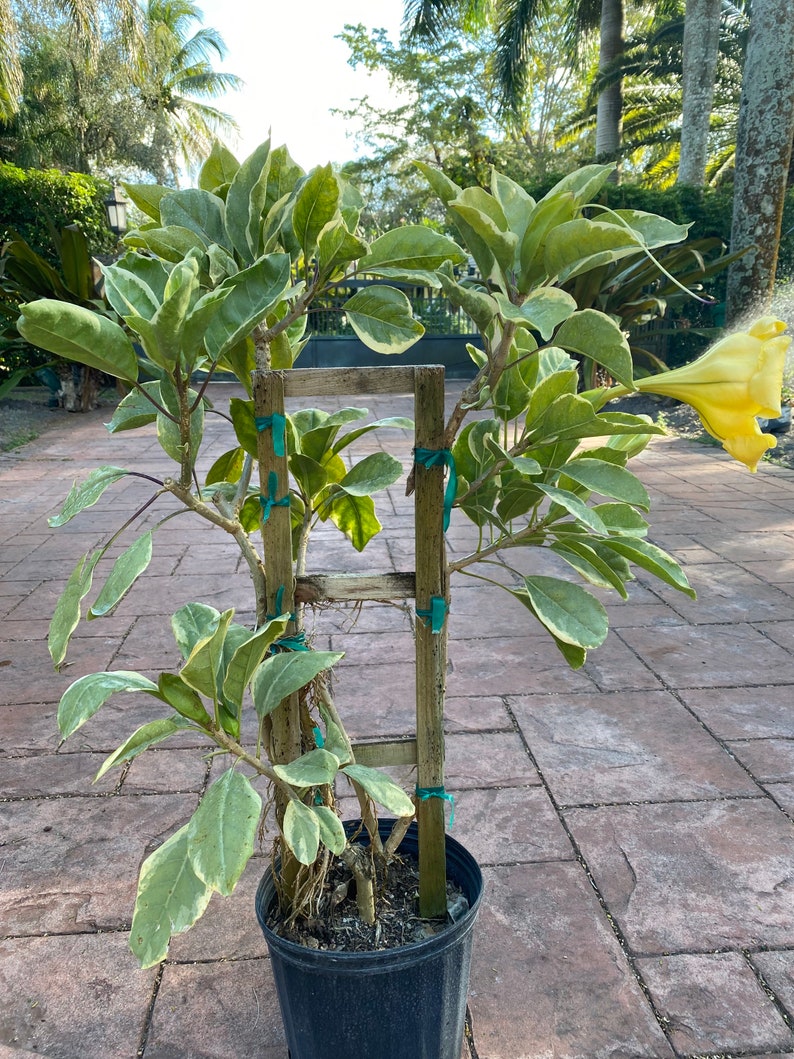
{"x": 25, "y": 416}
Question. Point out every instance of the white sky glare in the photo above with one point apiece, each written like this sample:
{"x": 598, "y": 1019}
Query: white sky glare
{"x": 295, "y": 70}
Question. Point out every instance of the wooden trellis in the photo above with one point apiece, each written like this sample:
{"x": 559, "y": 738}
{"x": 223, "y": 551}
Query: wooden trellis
{"x": 428, "y": 582}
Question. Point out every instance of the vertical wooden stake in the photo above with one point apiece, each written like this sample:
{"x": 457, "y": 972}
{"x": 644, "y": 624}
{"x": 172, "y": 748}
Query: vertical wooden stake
{"x": 277, "y": 544}
{"x": 431, "y": 652}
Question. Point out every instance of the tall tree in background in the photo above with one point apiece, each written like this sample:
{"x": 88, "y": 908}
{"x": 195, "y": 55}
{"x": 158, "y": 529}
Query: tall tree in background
{"x": 609, "y": 113}
{"x": 514, "y": 23}
{"x": 85, "y": 18}
{"x": 103, "y": 113}
{"x": 763, "y": 155}
{"x": 650, "y": 69}
{"x": 701, "y": 48}
{"x": 176, "y": 82}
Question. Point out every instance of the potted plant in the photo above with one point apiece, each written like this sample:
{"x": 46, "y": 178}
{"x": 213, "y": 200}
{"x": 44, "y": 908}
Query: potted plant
{"x": 221, "y": 279}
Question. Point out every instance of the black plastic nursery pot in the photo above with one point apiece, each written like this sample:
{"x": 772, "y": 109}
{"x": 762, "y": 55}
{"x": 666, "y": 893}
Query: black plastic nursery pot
{"x": 401, "y": 1003}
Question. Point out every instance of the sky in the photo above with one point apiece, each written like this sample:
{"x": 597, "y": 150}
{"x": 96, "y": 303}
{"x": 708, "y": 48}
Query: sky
{"x": 295, "y": 71}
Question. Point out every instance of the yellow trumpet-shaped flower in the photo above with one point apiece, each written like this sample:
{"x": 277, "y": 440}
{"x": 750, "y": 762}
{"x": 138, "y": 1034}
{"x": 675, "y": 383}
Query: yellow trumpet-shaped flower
{"x": 739, "y": 378}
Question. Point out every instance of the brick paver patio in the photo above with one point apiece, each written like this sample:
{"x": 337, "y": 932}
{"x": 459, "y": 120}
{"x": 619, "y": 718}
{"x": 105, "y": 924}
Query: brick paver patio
{"x": 633, "y": 819}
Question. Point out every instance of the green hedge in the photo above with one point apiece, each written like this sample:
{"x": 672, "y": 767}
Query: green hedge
{"x": 34, "y": 201}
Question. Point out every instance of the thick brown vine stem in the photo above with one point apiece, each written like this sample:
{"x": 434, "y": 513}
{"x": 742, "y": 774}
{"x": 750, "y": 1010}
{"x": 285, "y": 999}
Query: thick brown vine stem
{"x": 359, "y": 861}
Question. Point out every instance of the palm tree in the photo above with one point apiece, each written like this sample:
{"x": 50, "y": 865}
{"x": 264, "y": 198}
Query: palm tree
{"x": 699, "y": 65}
{"x": 175, "y": 80}
{"x": 86, "y": 18}
{"x": 653, "y": 99}
{"x": 515, "y": 21}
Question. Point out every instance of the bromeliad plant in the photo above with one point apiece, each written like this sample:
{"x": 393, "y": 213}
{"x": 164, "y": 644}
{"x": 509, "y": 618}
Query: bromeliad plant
{"x": 222, "y": 279}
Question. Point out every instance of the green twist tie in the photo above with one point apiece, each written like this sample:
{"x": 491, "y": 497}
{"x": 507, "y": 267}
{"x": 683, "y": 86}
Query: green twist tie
{"x": 278, "y": 424}
{"x": 318, "y": 737}
{"x": 423, "y": 793}
{"x": 279, "y": 606}
{"x": 269, "y": 502}
{"x": 434, "y": 618}
{"x": 441, "y": 458}
{"x": 295, "y": 642}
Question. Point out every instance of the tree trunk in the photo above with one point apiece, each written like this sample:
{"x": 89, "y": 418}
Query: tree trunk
{"x": 701, "y": 47}
{"x": 609, "y": 114}
{"x": 763, "y": 156}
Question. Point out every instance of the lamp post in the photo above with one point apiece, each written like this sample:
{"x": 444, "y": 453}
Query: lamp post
{"x": 116, "y": 210}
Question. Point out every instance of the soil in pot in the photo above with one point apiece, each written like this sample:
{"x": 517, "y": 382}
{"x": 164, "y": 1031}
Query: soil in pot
{"x": 338, "y": 927}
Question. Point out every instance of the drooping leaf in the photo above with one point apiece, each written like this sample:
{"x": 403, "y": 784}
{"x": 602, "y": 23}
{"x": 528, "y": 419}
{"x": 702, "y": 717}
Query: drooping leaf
{"x": 82, "y": 699}
{"x": 622, "y": 519}
{"x": 227, "y": 468}
{"x": 171, "y": 243}
{"x": 171, "y": 897}
{"x": 191, "y": 623}
{"x": 126, "y": 570}
{"x": 134, "y": 410}
{"x": 170, "y": 436}
{"x": 66, "y": 615}
{"x": 313, "y": 769}
{"x": 248, "y": 656}
{"x": 81, "y": 335}
{"x": 594, "y": 335}
{"x": 409, "y": 248}
{"x": 87, "y": 493}
{"x": 301, "y": 830}
{"x": 286, "y": 672}
{"x": 147, "y": 735}
{"x": 575, "y": 506}
{"x": 609, "y": 480}
{"x": 202, "y": 668}
{"x": 568, "y": 611}
{"x": 354, "y": 516}
{"x": 588, "y": 564}
{"x": 332, "y": 832}
{"x": 477, "y": 304}
{"x": 222, "y": 831}
{"x": 377, "y": 471}
{"x": 381, "y": 789}
{"x": 483, "y": 213}
{"x": 447, "y": 190}
{"x": 657, "y": 562}
{"x": 397, "y": 422}
{"x": 182, "y": 698}
{"x": 541, "y": 311}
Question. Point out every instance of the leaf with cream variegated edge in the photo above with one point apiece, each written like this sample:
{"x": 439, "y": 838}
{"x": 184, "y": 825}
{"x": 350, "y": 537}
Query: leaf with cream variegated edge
{"x": 381, "y": 789}
{"x": 222, "y": 831}
{"x": 82, "y": 699}
{"x": 171, "y": 897}
{"x": 381, "y": 317}
{"x": 301, "y": 831}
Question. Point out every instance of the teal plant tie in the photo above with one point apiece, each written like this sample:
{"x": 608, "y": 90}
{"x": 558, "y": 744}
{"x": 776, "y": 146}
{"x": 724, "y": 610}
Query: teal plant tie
{"x": 295, "y": 642}
{"x": 434, "y": 617}
{"x": 441, "y": 458}
{"x": 423, "y": 793}
{"x": 278, "y": 424}
{"x": 279, "y": 606}
{"x": 318, "y": 737}
{"x": 269, "y": 502}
